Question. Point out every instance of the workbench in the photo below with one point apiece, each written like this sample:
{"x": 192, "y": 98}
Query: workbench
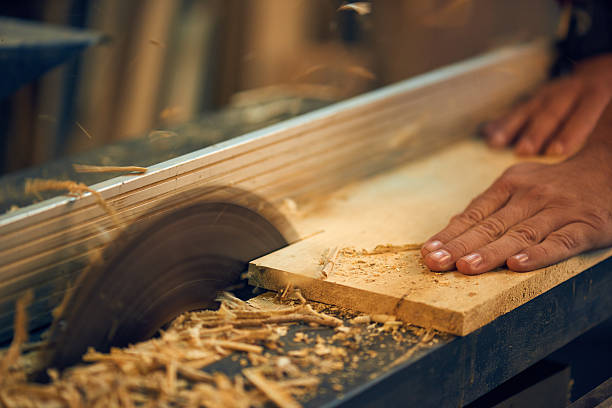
{"x": 454, "y": 371}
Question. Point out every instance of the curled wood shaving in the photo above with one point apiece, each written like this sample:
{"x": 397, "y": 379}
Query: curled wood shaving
{"x": 360, "y": 71}
{"x": 286, "y": 291}
{"x": 330, "y": 262}
{"x": 20, "y": 335}
{"x": 360, "y": 7}
{"x": 85, "y": 168}
{"x": 34, "y": 186}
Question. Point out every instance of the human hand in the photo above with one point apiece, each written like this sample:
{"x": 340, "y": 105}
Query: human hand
{"x": 558, "y": 119}
{"x": 533, "y": 216}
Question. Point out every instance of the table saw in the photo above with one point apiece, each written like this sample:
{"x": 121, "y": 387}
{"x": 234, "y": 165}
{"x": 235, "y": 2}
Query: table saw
{"x": 284, "y": 195}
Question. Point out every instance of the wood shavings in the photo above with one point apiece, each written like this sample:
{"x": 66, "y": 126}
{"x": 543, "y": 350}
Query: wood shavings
{"x": 360, "y": 7}
{"x": 360, "y": 71}
{"x": 232, "y": 345}
{"x": 290, "y": 206}
{"x": 161, "y": 134}
{"x": 20, "y": 335}
{"x": 382, "y": 318}
{"x": 157, "y": 43}
{"x": 363, "y": 319}
{"x": 35, "y": 186}
{"x": 167, "y": 371}
{"x": 276, "y": 394}
{"x": 85, "y": 168}
{"x": 388, "y": 248}
{"x": 286, "y": 291}
{"x": 84, "y": 130}
{"x": 298, "y": 294}
{"x": 425, "y": 338}
{"x": 328, "y": 266}
{"x": 355, "y": 70}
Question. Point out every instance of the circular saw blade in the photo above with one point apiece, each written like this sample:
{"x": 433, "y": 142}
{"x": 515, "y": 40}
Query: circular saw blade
{"x": 176, "y": 264}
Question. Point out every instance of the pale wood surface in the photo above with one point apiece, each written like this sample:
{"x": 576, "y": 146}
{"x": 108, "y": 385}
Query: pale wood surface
{"x": 406, "y": 206}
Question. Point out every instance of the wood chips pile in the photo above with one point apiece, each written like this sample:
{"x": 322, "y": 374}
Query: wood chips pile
{"x": 167, "y": 371}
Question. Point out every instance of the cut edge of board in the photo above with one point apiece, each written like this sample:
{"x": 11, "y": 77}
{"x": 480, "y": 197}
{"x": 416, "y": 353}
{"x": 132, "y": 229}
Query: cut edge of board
{"x": 406, "y": 310}
{"x": 457, "y": 322}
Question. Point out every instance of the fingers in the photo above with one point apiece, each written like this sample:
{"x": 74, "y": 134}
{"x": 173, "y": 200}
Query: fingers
{"x": 488, "y": 244}
{"x": 545, "y": 121}
{"x": 521, "y": 236}
{"x": 479, "y": 209}
{"x": 502, "y": 132}
{"x": 563, "y": 243}
{"x": 579, "y": 124}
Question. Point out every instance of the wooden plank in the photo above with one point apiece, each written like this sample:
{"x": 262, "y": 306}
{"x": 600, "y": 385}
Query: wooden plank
{"x": 406, "y": 206}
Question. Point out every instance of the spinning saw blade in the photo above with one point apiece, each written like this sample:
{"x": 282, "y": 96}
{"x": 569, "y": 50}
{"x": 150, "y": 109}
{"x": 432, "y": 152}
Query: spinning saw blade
{"x": 178, "y": 263}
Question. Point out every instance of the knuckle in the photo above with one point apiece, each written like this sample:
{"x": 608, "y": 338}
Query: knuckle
{"x": 525, "y": 234}
{"x": 473, "y": 215}
{"x": 458, "y": 247}
{"x": 566, "y": 240}
{"x": 597, "y": 217}
{"x": 504, "y": 184}
{"x": 492, "y": 228}
{"x": 492, "y": 254}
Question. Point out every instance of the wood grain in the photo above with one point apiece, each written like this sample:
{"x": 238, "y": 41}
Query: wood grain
{"x": 406, "y": 206}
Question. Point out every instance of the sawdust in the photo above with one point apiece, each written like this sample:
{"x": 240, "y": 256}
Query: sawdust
{"x": 426, "y": 337}
{"x": 167, "y": 371}
{"x": 377, "y": 266}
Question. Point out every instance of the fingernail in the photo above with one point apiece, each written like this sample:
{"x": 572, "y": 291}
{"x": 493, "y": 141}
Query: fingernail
{"x": 521, "y": 258}
{"x": 555, "y": 149}
{"x": 441, "y": 256}
{"x": 432, "y": 246}
{"x": 473, "y": 259}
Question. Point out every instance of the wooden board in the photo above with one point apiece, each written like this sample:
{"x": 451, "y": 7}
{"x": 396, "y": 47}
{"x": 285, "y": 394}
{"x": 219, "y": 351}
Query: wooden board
{"x": 406, "y": 206}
